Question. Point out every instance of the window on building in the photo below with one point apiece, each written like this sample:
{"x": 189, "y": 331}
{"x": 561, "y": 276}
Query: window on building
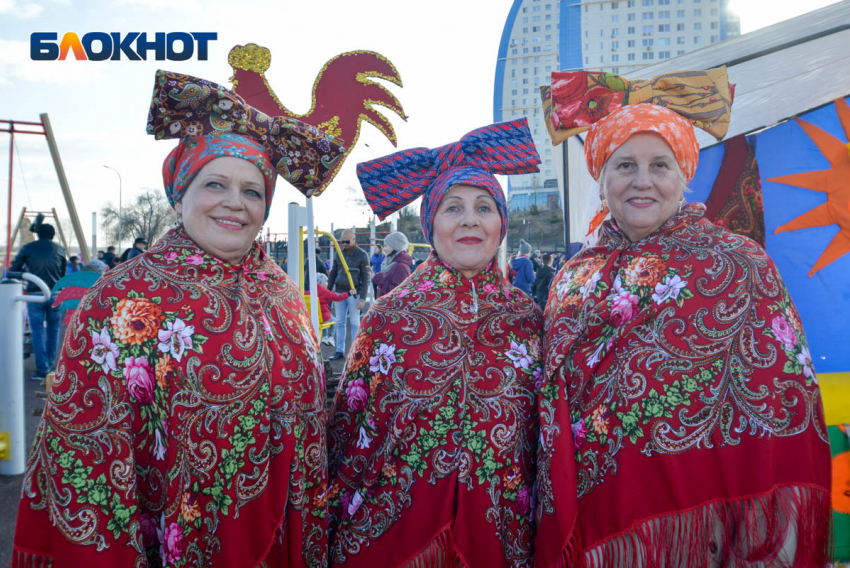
{"x": 631, "y": 4}
{"x": 548, "y": 27}
{"x": 601, "y": 7}
{"x": 514, "y": 82}
{"x": 647, "y": 30}
{"x": 664, "y": 28}
{"x": 697, "y": 26}
{"x": 548, "y": 17}
{"x": 663, "y": 14}
{"x": 631, "y": 29}
{"x": 601, "y": 59}
{"x": 525, "y": 59}
{"x": 664, "y": 41}
{"x": 525, "y": 30}
{"x": 631, "y": 57}
{"x": 680, "y": 27}
{"x": 587, "y": 47}
{"x": 513, "y": 102}
{"x": 647, "y": 55}
{"x": 513, "y": 92}
{"x": 680, "y": 52}
{"x": 615, "y": 45}
{"x": 631, "y": 17}
{"x": 615, "y": 70}
{"x": 647, "y": 2}
{"x": 663, "y": 55}
{"x": 663, "y": 2}
{"x": 647, "y": 43}
{"x": 525, "y": 91}
{"x": 536, "y": 19}
{"x": 615, "y": 5}
{"x": 680, "y": 13}
{"x": 585, "y": 33}
{"x": 631, "y": 43}
{"x": 697, "y": 40}
{"x": 525, "y": 10}
{"x": 615, "y": 19}
{"x": 714, "y": 25}
{"x": 714, "y": 39}
{"x": 525, "y": 70}
{"x": 586, "y": 8}
{"x": 548, "y": 6}
{"x": 601, "y": 45}
{"x": 714, "y": 11}
{"x": 536, "y": 70}
{"x": 601, "y": 33}
{"x": 538, "y": 50}
{"x": 586, "y": 60}
{"x": 615, "y": 32}
{"x": 680, "y": 41}
{"x": 525, "y": 81}
{"x": 697, "y": 13}
{"x": 535, "y": 29}
{"x": 537, "y": 60}
{"x": 648, "y": 15}
{"x": 615, "y": 58}
{"x": 514, "y": 51}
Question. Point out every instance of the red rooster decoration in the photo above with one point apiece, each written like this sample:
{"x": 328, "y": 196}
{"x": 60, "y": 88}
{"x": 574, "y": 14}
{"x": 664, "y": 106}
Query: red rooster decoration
{"x": 343, "y": 93}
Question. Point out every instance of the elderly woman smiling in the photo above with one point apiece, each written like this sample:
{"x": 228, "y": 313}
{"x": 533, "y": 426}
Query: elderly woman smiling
{"x": 186, "y": 423}
{"x": 680, "y": 398}
{"x": 433, "y": 430}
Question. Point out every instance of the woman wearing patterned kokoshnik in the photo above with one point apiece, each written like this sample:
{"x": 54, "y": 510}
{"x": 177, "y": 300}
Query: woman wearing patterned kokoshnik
{"x": 186, "y": 423}
{"x": 678, "y": 383}
{"x": 432, "y": 435}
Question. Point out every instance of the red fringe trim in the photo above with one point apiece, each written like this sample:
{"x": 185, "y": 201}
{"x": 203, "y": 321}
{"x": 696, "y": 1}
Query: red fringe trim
{"x": 789, "y": 526}
{"x": 26, "y": 559}
{"x": 440, "y": 552}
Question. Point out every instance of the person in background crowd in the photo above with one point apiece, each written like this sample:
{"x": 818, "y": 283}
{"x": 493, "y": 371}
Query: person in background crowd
{"x": 434, "y": 426}
{"x": 523, "y": 269}
{"x": 348, "y": 311}
{"x": 109, "y": 256}
{"x": 74, "y": 265}
{"x": 139, "y": 246}
{"x": 535, "y": 261}
{"x": 325, "y": 299}
{"x": 45, "y": 259}
{"x": 681, "y": 419}
{"x": 377, "y": 259}
{"x": 542, "y": 281}
{"x": 186, "y": 424}
{"x": 396, "y": 266}
{"x": 100, "y": 254}
{"x": 320, "y": 266}
{"x": 95, "y": 266}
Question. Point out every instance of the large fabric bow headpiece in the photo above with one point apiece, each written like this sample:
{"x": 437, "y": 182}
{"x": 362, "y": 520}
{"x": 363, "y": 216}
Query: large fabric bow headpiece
{"x": 575, "y": 100}
{"x": 393, "y": 181}
{"x": 199, "y": 112}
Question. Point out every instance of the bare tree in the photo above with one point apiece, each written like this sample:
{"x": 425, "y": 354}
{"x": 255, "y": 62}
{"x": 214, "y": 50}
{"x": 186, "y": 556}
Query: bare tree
{"x": 149, "y": 217}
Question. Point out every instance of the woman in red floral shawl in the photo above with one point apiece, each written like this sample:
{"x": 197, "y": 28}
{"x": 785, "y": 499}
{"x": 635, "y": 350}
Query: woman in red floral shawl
{"x": 186, "y": 423}
{"x": 680, "y": 398}
{"x": 433, "y": 432}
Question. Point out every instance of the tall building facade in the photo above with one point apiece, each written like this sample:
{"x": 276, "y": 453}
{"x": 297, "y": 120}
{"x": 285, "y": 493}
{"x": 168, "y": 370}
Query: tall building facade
{"x": 541, "y": 36}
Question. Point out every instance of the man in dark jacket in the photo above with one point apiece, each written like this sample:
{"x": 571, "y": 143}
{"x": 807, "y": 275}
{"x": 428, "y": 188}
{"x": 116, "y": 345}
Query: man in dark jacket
{"x": 523, "y": 268}
{"x": 349, "y": 310}
{"x": 45, "y": 259}
{"x": 139, "y": 246}
{"x": 109, "y": 257}
{"x": 540, "y": 288}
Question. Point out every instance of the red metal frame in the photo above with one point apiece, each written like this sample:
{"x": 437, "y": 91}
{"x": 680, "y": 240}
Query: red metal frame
{"x": 12, "y": 131}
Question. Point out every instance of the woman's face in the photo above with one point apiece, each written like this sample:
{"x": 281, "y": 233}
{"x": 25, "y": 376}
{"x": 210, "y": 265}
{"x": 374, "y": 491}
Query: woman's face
{"x": 388, "y": 250}
{"x": 642, "y": 185}
{"x": 467, "y": 228}
{"x": 224, "y": 207}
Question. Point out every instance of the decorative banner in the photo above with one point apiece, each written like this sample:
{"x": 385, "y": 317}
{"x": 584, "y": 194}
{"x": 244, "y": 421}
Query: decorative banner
{"x": 804, "y": 167}
{"x": 343, "y": 94}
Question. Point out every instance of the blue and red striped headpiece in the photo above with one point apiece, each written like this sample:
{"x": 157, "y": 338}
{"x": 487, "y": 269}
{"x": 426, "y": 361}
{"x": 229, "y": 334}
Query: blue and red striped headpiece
{"x": 393, "y": 181}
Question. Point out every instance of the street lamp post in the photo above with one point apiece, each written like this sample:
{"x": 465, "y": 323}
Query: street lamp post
{"x": 120, "y": 218}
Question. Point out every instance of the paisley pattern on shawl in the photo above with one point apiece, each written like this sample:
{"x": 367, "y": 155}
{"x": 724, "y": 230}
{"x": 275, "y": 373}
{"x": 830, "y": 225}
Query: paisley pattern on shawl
{"x": 678, "y": 376}
{"x": 186, "y": 423}
{"x": 433, "y": 431}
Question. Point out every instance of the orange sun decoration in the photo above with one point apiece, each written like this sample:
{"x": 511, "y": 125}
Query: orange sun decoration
{"x": 835, "y": 182}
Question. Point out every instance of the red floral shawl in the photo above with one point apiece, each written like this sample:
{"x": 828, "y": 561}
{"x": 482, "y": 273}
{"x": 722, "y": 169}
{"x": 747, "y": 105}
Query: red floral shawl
{"x": 185, "y": 426}
{"x": 433, "y": 431}
{"x": 681, "y": 402}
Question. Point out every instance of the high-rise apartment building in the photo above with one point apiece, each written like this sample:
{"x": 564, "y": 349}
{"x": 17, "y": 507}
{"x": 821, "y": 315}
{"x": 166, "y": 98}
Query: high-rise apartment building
{"x": 541, "y": 36}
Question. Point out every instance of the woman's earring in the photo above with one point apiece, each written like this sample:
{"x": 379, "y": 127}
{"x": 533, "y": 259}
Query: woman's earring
{"x": 681, "y": 204}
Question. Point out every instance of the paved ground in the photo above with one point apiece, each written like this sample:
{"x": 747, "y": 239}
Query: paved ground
{"x": 10, "y": 486}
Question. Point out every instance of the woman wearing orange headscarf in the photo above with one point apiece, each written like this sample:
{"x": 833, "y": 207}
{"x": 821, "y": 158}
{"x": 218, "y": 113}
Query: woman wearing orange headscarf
{"x": 679, "y": 396}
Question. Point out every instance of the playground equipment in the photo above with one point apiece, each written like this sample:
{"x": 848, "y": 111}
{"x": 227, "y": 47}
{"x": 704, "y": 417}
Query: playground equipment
{"x": 12, "y": 451}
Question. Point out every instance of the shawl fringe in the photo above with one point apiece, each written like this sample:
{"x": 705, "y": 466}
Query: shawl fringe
{"x": 440, "y": 552}
{"x": 27, "y": 559}
{"x": 789, "y": 526}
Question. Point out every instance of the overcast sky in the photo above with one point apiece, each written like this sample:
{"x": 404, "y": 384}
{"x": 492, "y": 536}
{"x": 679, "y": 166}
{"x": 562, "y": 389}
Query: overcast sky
{"x": 445, "y": 51}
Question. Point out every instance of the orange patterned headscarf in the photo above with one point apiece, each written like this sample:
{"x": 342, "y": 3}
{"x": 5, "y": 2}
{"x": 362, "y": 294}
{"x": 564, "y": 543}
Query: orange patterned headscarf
{"x": 612, "y": 131}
